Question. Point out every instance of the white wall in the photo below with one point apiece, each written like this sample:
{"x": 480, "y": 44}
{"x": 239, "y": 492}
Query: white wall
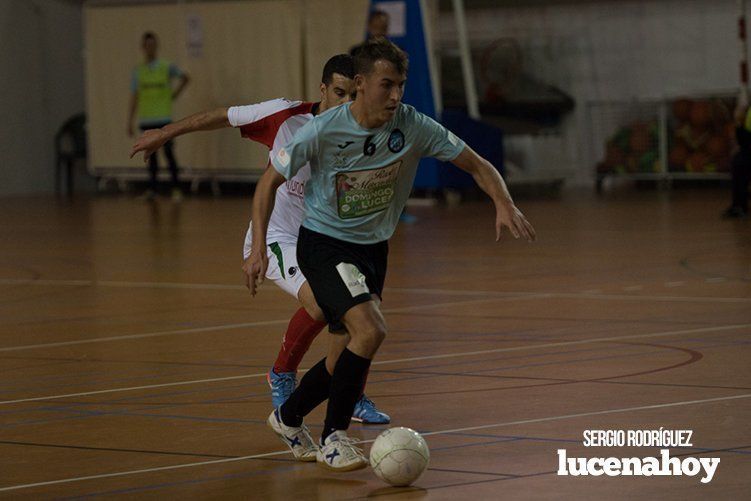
{"x": 41, "y": 85}
{"x": 613, "y": 50}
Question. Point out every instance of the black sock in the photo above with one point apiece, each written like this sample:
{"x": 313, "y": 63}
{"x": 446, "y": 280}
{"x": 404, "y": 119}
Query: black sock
{"x": 346, "y": 387}
{"x": 312, "y": 390}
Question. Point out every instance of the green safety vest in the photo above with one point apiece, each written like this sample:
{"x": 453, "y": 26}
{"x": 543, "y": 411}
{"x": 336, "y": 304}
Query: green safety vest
{"x": 154, "y": 91}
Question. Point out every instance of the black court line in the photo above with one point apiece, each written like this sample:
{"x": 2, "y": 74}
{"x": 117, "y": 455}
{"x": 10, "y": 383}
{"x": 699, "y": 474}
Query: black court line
{"x": 252, "y": 398}
{"x": 660, "y": 320}
{"x": 109, "y": 449}
{"x": 694, "y": 356}
{"x": 126, "y": 361}
{"x": 562, "y": 380}
{"x": 703, "y": 452}
{"x": 517, "y": 477}
{"x": 686, "y": 264}
{"x": 398, "y": 491}
{"x": 114, "y": 315}
{"x": 472, "y": 472}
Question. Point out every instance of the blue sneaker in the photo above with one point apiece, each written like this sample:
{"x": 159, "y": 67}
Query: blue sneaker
{"x": 407, "y": 218}
{"x": 282, "y": 385}
{"x": 366, "y": 413}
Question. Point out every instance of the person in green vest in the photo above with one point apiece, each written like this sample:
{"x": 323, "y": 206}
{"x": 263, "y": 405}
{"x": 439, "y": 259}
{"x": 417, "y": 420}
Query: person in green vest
{"x": 740, "y": 169}
{"x": 152, "y": 93}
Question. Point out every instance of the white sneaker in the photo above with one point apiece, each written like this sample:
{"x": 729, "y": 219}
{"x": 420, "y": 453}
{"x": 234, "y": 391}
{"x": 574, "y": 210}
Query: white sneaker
{"x": 298, "y": 439}
{"x": 339, "y": 453}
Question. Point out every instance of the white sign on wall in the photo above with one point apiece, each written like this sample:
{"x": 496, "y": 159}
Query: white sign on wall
{"x": 397, "y": 12}
{"x": 194, "y": 40}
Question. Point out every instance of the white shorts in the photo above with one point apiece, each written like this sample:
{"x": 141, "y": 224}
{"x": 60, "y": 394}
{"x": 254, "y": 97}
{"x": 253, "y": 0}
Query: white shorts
{"x": 282, "y": 253}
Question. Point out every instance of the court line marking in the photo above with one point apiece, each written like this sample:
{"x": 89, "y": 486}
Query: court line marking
{"x": 439, "y": 432}
{"x": 251, "y": 324}
{"x": 116, "y": 283}
{"x": 592, "y": 294}
{"x": 496, "y": 296}
{"x": 144, "y": 335}
{"x": 400, "y": 360}
{"x": 679, "y": 299}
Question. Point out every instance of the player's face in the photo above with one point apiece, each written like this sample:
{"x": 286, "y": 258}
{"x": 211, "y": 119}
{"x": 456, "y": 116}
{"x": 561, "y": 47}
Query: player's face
{"x": 339, "y": 91}
{"x": 378, "y": 26}
{"x": 381, "y": 90}
{"x": 149, "y": 48}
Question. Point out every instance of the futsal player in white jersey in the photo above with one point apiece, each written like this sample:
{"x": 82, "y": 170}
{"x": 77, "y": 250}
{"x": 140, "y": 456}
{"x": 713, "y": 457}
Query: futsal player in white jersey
{"x": 363, "y": 158}
{"x": 274, "y": 123}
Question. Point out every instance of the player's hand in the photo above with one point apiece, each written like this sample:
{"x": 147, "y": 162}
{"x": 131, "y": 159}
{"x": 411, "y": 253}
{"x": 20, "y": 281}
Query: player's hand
{"x": 150, "y": 141}
{"x": 508, "y": 215}
{"x": 255, "y": 270}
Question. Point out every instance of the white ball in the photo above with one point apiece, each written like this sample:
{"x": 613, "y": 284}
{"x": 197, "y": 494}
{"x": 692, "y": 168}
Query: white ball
{"x": 399, "y": 456}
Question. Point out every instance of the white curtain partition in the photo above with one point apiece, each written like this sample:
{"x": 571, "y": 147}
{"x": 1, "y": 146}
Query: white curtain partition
{"x": 236, "y": 52}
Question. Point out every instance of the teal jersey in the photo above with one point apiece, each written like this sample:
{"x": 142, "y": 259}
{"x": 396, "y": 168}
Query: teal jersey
{"x": 361, "y": 178}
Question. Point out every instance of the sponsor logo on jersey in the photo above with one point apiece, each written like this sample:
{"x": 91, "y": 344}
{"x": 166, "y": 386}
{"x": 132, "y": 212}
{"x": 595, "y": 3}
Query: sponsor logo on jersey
{"x": 282, "y": 157}
{"x": 353, "y": 279}
{"x": 342, "y": 146}
{"x": 295, "y": 187}
{"x": 340, "y": 159}
{"x": 364, "y": 192}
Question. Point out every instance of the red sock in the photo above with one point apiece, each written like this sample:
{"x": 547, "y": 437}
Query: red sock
{"x": 301, "y": 332}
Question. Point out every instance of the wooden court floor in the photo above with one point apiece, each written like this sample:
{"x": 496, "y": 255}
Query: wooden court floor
{"x": 133, "y": 360}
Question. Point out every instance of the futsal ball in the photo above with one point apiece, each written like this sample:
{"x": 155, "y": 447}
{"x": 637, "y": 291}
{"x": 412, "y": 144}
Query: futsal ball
{"x": 399, "y": 456}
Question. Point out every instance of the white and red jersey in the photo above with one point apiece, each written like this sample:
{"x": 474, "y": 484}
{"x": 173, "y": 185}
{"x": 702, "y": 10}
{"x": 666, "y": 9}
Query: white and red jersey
{"x": 273, "y": 123}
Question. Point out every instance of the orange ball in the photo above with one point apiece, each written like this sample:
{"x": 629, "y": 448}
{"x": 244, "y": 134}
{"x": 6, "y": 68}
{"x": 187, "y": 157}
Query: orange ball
{"x": 678, "y": 155}
{"x": 701, "y": 114}
{"x": 639, "y": 142}
{"x": 614, "y": 156}
{"x": 697, "y": 161}
{"x": 718, "y": 147}
{"x": 682, "y": 109}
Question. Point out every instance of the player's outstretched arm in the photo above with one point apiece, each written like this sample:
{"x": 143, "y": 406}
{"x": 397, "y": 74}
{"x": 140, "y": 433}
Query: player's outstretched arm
{"x": 263, "y": 204}
{"x": 491, "y": 182}
{"x": 184, "y": 79}
{"x": 153, "y": 139}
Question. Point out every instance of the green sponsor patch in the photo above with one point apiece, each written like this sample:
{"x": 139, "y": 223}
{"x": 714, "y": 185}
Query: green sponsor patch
{"x": 364, "y": 192}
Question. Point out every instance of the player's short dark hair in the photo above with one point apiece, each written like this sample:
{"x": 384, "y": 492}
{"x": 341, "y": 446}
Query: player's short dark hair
{"x": 379, "y": 48}
{"x": 376, "y": 13}
{"x": 149, "y": 35}
{"x": 342, "y": 64}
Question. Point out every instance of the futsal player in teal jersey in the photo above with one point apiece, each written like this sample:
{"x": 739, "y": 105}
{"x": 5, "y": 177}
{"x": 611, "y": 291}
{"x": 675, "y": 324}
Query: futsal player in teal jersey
{"x": 363, "y": 158}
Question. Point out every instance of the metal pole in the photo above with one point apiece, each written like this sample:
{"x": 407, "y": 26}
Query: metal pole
{"x": 663, "y": 140}
{"x": 435, "y": 78}
{"x": 743, "y": 52}
{"x": 466, "y": 57}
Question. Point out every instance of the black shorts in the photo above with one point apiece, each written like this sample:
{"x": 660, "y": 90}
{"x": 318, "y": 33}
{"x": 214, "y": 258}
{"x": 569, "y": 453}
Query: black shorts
{"x": 341, "y": 274}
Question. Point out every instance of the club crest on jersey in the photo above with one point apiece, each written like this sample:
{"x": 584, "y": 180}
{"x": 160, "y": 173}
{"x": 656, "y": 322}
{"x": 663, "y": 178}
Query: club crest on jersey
{"x": 396, "y": 141}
